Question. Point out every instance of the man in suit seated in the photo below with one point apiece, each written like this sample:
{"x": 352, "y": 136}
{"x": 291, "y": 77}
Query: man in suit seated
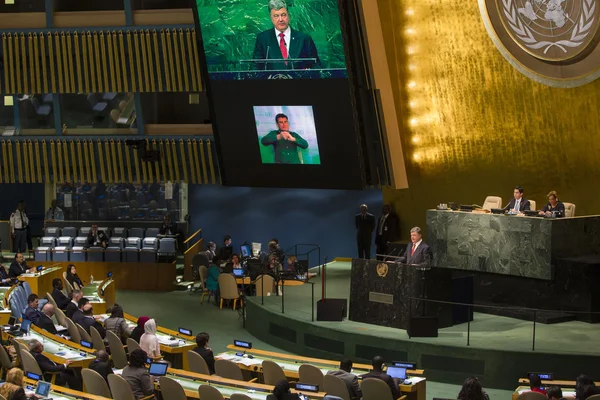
{"x": 18, "y": 266}
{"x": 31, "y": 312}
{"x": 101, "y": 364}
{"x": 5, "y": 279}
{"x": 282, "y": 42}
{"x": 168, "y": 227}
{"x": 346, "y": 375}
{"x": 518, "y": 203}
{"x": 45, "y": 321}
{"x": 73, "y": 305}
{"x": 378, "y": 373}
{"x": 365, "y": 224}
{"x": 97, "y": 238}
{"x": 65, "y": 375}
{"x": 417, "y": 251}
{"x": 205, "y": 351}
{"x": 78, "y": 316}
{"x": 89, "y": 320}
{"x": 59, "y": 297}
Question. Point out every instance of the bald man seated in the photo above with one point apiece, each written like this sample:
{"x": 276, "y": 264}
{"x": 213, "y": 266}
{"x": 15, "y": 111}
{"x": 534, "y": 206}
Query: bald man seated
{"x": 45, "y": 319}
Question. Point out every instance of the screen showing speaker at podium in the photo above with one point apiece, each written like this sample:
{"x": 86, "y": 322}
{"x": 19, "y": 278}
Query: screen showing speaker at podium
{"x": 272, "y": 39}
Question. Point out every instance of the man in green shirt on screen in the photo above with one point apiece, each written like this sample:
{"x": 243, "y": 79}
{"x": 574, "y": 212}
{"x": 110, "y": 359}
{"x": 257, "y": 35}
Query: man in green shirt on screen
{"x": 285, "y": 143}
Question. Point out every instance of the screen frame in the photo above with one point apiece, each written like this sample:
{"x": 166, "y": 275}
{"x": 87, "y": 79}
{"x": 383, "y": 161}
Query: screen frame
{"x": 46, "y": 386}
{"x": 166, "y": 367}
{"x": 349, "y": 52}
{"x": 87, "y": 344}
{"x": 308, "y": 387}
{"x": 188, "y": 332}
{"x": 248, "y": 344}
{"x": 33, "y": 375}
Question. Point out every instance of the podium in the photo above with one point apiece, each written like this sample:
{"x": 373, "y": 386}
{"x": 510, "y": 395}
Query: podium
{"x": 380, "y": 294}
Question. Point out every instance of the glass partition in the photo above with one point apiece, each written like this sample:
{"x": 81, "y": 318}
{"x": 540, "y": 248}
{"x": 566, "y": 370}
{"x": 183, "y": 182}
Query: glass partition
{"x": 135, "y": 202}
{"x": 98, "y": 113}
{"x": 36, "y": 114}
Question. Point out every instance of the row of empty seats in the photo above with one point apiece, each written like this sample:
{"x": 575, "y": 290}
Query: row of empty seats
{"x": 120, "y": 232}
{"x": 132, "y": 249}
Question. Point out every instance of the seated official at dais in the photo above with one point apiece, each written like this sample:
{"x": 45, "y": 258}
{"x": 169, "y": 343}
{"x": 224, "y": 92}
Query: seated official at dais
{"x": 554, "y": 207}
{"x": 518, "y": 203}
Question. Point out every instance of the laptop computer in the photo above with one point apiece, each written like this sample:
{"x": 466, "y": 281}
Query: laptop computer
{"x": 43, "y": 390}
{"x": 246, "y": 250}
{"x": 238, "y": 272}
{"x": 397, "y": 372}
{"x": 23, "y": 329}
{"x": 158, "y": 369}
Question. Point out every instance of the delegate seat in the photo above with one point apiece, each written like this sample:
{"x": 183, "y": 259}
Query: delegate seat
{"x": 52, "y": 231}
{"x": 62, "y": 249}
{"x": 70, "y": 231}
{"x": 78, "y": 252}
{"x": 114, "y": 249}
{"x": 149, "y": 248}
{"x": 136, "y": 232}
{"x": 167, "y": 249}
{"x": 95, "y": 253}
{"x": 119, "y": 232}
{"x": 152, "y": 232}
{"x": 569, "y": 209}
{"x": 132, "y": 249}
{"x": 84, "y": 230}
{"x": 532, "y": 205}
{"x": 106, "y": 230}
{"x": 492, "y": 202}
{"x": 44, "y": 250}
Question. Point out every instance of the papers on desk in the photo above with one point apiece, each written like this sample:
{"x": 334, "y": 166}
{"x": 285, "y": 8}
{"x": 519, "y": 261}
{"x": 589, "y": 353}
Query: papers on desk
{"x": 168, "y": 342}
{"x": 59, "y": 327}
{"x": 68, "y": 355}
{"x": 117, "y": 371}
{"x": 28, "y": 275}
{"x": 240, "y": 360}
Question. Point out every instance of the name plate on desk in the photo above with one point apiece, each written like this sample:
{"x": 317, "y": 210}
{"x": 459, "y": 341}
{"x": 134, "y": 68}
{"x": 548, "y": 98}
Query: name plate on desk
{"x": 381, "y": 298}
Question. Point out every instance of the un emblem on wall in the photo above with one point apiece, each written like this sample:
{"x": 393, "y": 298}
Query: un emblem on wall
{"x": 551, "y": 41}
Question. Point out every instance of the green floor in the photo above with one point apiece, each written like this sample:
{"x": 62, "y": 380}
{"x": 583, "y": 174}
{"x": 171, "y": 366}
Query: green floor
{"x": 182, "y": 309}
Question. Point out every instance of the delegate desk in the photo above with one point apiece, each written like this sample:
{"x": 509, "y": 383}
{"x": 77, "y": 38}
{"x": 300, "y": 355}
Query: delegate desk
{"x": 56, "y": 348}
{"x": 41, "y": 282}
{"x": 191, "y": 381}
{"x": 291, "y": 366}
{"x": 63, "y": 393}
{"x": 101, "y": 294}
{"x": 567, "y": 392}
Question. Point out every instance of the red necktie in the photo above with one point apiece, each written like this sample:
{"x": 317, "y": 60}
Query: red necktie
{"x": 413, "y": 249}
{"x": 282, "y": 47}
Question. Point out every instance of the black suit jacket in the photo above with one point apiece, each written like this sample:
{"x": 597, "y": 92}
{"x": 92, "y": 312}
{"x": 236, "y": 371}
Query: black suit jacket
{"x": 525, "y": 205}
{"x": 71, "y": 309}
{"x": 15, "y": 270}
{"x": 208, "y": 357}
{"x": 390, "y": 228}
{"x": 46, "y": 364}
{"x": 102, "y": 238}
{"x": 164, "y": 228}
{"x": 301, "y": 46}
{"x": 422, "y": 255}
{"x": 61, "y": 300}
{"x": 387, "y": 379}
{"x": 86, "y": 322}
{"x": 364, "y": 226}
{"x": 101, "y": 367}
{"x": 78, "y": 317}
{"x": 4, "y": 275}
{"x": 46, "y": 323}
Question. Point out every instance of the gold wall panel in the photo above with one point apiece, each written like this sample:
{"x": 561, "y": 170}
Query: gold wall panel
{"x": 472, "y": 125}
{"x": 99, "y": 61}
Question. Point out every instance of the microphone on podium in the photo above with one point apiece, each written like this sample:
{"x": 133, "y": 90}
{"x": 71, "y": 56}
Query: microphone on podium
{"x": 267, "y": 57}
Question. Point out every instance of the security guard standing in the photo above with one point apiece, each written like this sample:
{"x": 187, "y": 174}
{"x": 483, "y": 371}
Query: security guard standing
{"x": 18, "y": 227}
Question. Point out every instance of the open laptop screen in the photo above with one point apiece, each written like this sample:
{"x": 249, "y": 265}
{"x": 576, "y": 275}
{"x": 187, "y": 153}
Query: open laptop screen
{"x": 158, "y": 369}
{"x": 397, "y": 372}
{"x": 43, "y": 389}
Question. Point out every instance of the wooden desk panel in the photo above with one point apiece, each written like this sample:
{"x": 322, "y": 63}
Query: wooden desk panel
{"x": 42, "y": 283}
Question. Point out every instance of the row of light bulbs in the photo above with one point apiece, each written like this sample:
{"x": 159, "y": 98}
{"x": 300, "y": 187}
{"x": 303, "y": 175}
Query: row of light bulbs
{"x": 411, "y": 51}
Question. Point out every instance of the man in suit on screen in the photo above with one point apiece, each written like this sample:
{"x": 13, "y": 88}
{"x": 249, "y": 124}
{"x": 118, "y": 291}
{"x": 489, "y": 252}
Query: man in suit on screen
{"x": 417, "y": 251}
{"x": 285, "y": 143}
{"x": 282, "y": 43}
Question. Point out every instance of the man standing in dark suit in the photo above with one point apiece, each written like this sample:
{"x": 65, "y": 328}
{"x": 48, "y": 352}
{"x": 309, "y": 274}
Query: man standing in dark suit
{"x": 18, "y": 266}
{"x": 518, "y": 203}
{"x": 417, "y": 251}
{"x": 351, "y": 380}
{"x": 168, "y": 227}
{"x": 283, "y": 42}
{"x": 65, "y": 375}
{"x": 365, "y": 224}
{"x": 386, "y": 230}
{"x": 45, "y": 320}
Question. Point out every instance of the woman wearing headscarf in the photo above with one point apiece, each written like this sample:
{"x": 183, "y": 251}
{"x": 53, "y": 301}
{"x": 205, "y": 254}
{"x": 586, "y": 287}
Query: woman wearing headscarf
{"x": 149, "y": 341}
{"x": 138, "y": 331}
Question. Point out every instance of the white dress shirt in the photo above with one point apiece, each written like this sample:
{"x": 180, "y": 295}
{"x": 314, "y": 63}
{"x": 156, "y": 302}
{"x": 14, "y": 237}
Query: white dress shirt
{"x": 18, "y": 220}
{"x": 415, "y": 246}
{"x": 287, "y": 37}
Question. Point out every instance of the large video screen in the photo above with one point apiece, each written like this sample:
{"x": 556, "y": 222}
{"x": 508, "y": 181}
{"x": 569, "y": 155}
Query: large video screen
{"x": 270, "y": 39}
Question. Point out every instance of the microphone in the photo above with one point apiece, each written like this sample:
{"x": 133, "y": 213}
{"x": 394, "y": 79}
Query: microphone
{"x": 267, "y": 57}
{"x": 389, "y": 255}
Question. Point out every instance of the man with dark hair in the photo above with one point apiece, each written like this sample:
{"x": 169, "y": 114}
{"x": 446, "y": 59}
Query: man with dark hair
{"x": 202, "y": 341}
{"x": 101, "y": 364}
{"x": 282, "y": 42}
{"x": 285, "y": 143}
{"x": 554, "y": 393}
{"x": 97, "y": 237}
{"x": 365, "y": 224}
{"x": 73, "y": 305}
{"x": 168, "y": 227}
{"x": 518, "y": 203}
{"x": 31, "y": 312}
{"x": 18, "y": 266}
{"x": 78, "y": 316}
{"x": 45, "y": 319}
{"x": 417, "y": 251}
{"x": 378, "y": 373}
{"x": 137, "y": 375}
{"x": 61, "y": 300}
{"x": 36, "y": 348}
{"x": 535, "y": 384}
{"x": 226, "y": 251}
{"x": 18, "y": 227}
{"x": 346, "y": 375}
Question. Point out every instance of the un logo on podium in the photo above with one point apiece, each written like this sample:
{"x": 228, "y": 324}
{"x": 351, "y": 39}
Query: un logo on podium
{"x": 550, "y": 41}
{"x": 382, "y": 270}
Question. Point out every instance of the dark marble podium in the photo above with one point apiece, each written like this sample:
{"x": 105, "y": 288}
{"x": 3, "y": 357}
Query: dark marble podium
{"x": 380, "y": 293}
{"x": 510, "y": 245}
